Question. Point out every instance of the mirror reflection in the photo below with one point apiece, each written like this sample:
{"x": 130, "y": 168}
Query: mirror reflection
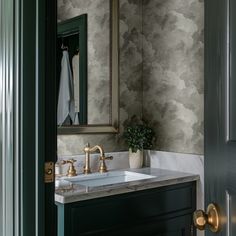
{"x": 84, "y": 70}
{"x": 72, "y": 71}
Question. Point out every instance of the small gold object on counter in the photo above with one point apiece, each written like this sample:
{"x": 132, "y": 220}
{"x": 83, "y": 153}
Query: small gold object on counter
{"x": 102, "y": 165}
{"x": 71, "y": 171}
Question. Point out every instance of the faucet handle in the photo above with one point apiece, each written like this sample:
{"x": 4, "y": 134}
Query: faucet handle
{"x": 102, "y": 166}
{"x": 106, "y": 158}
{"x": 71, "y": 161}
{"x": 71, "y": 171}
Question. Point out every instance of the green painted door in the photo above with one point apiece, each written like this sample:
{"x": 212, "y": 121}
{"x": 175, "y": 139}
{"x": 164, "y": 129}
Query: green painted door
{"x": 27, "y": 121}
{"x": 220, "y": 111}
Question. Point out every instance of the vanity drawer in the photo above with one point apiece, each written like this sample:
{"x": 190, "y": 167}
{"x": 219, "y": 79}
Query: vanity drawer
{"x": 147, "y": 208}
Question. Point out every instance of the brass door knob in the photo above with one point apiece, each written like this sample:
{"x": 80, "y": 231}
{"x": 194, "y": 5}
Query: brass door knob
{"x": 210, "y": 218}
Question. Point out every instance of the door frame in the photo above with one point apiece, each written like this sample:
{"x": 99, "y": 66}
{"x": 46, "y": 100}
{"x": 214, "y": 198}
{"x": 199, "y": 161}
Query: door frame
{"x": 27, "y": 117}
{"x": 6, "y": 119}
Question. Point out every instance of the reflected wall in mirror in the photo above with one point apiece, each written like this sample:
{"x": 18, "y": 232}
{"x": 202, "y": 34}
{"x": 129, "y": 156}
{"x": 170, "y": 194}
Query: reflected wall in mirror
{"x": 88, "y": 80}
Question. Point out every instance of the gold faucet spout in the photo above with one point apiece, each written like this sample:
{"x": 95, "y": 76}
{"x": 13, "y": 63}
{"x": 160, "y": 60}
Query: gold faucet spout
{"x": 97, "y": 147}
{"x": 88, "y": 150}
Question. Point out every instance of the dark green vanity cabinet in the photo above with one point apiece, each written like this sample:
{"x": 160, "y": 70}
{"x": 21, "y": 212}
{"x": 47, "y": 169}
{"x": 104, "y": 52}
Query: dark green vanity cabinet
{"x": 163, "y": 211}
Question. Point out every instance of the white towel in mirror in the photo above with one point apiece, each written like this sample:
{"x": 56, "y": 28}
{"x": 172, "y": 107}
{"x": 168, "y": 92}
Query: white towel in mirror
{"x": 65, "y": 104}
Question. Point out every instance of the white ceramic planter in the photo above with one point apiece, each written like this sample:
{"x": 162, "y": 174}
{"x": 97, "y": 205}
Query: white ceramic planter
{"x": 135, "y": 159}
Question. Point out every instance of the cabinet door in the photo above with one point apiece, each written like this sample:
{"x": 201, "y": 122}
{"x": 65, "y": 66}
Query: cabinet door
{"x": 174, "y": 233}
{"x": 176, "y": 226}
{"x": 161, "y": 211}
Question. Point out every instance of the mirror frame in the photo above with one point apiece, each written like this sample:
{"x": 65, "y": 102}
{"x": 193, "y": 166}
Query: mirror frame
{"x": 113, "y": 127}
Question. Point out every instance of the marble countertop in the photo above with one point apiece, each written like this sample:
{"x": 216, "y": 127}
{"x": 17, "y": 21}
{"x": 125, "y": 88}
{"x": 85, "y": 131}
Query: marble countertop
{"x": 68, "y": 193}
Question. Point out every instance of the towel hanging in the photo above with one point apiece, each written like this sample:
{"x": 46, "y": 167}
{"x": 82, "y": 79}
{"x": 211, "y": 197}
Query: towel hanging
{"x": 65, "y": 105}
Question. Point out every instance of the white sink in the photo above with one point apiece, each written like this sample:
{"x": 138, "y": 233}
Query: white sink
{"x": 113, "y": 177}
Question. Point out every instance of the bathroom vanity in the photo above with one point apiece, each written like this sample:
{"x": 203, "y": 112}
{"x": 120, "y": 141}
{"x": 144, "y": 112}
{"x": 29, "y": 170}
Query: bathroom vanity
{"x": 158, "y": 202}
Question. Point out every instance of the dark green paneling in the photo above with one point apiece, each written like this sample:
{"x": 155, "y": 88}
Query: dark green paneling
{"x": 232, "y": 71}
{"x": 76, "y": 29}
{"x": 28, "y": 116}
{"x": 50, "y": 140}
{"x": 146, "y": 212}
{"x": 23, "y": 117}
{"x": 176, "y": 226}
{"x": 37, "y": 132}
{"x": 219, "y": 157}
{"x": 40, "y": 114}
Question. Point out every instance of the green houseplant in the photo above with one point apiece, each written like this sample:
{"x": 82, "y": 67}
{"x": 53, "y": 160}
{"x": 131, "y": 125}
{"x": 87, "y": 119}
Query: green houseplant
{"x": 138, "y": 137}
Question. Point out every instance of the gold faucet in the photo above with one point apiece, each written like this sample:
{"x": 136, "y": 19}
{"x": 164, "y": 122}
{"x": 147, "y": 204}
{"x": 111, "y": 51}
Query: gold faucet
{"x": 102, "y": 166}
{"x": 71, "y": 170}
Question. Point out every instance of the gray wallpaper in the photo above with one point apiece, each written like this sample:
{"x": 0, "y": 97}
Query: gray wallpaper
{"x": 161, "y": 75}
{"x": 173, "y": 73}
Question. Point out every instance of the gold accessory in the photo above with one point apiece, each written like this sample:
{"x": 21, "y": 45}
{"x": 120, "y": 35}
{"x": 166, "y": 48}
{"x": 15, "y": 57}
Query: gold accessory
{"x": 211, "y": 218}
{"x": 71, "y": 171}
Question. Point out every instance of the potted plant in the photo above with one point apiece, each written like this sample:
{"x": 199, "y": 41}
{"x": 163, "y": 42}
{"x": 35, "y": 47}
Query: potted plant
{"x": 138, "y": 137}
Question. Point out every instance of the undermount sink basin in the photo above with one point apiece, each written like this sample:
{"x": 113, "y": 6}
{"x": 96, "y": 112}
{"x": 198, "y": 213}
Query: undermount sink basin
{"x": 113, "y": 177}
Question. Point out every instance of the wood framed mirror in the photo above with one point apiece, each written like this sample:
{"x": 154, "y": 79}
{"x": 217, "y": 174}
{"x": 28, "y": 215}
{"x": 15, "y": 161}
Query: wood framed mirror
{"x": 97, "y": 109}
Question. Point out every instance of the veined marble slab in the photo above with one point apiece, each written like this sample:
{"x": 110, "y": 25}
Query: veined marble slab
{"x": 75, "y": 192}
